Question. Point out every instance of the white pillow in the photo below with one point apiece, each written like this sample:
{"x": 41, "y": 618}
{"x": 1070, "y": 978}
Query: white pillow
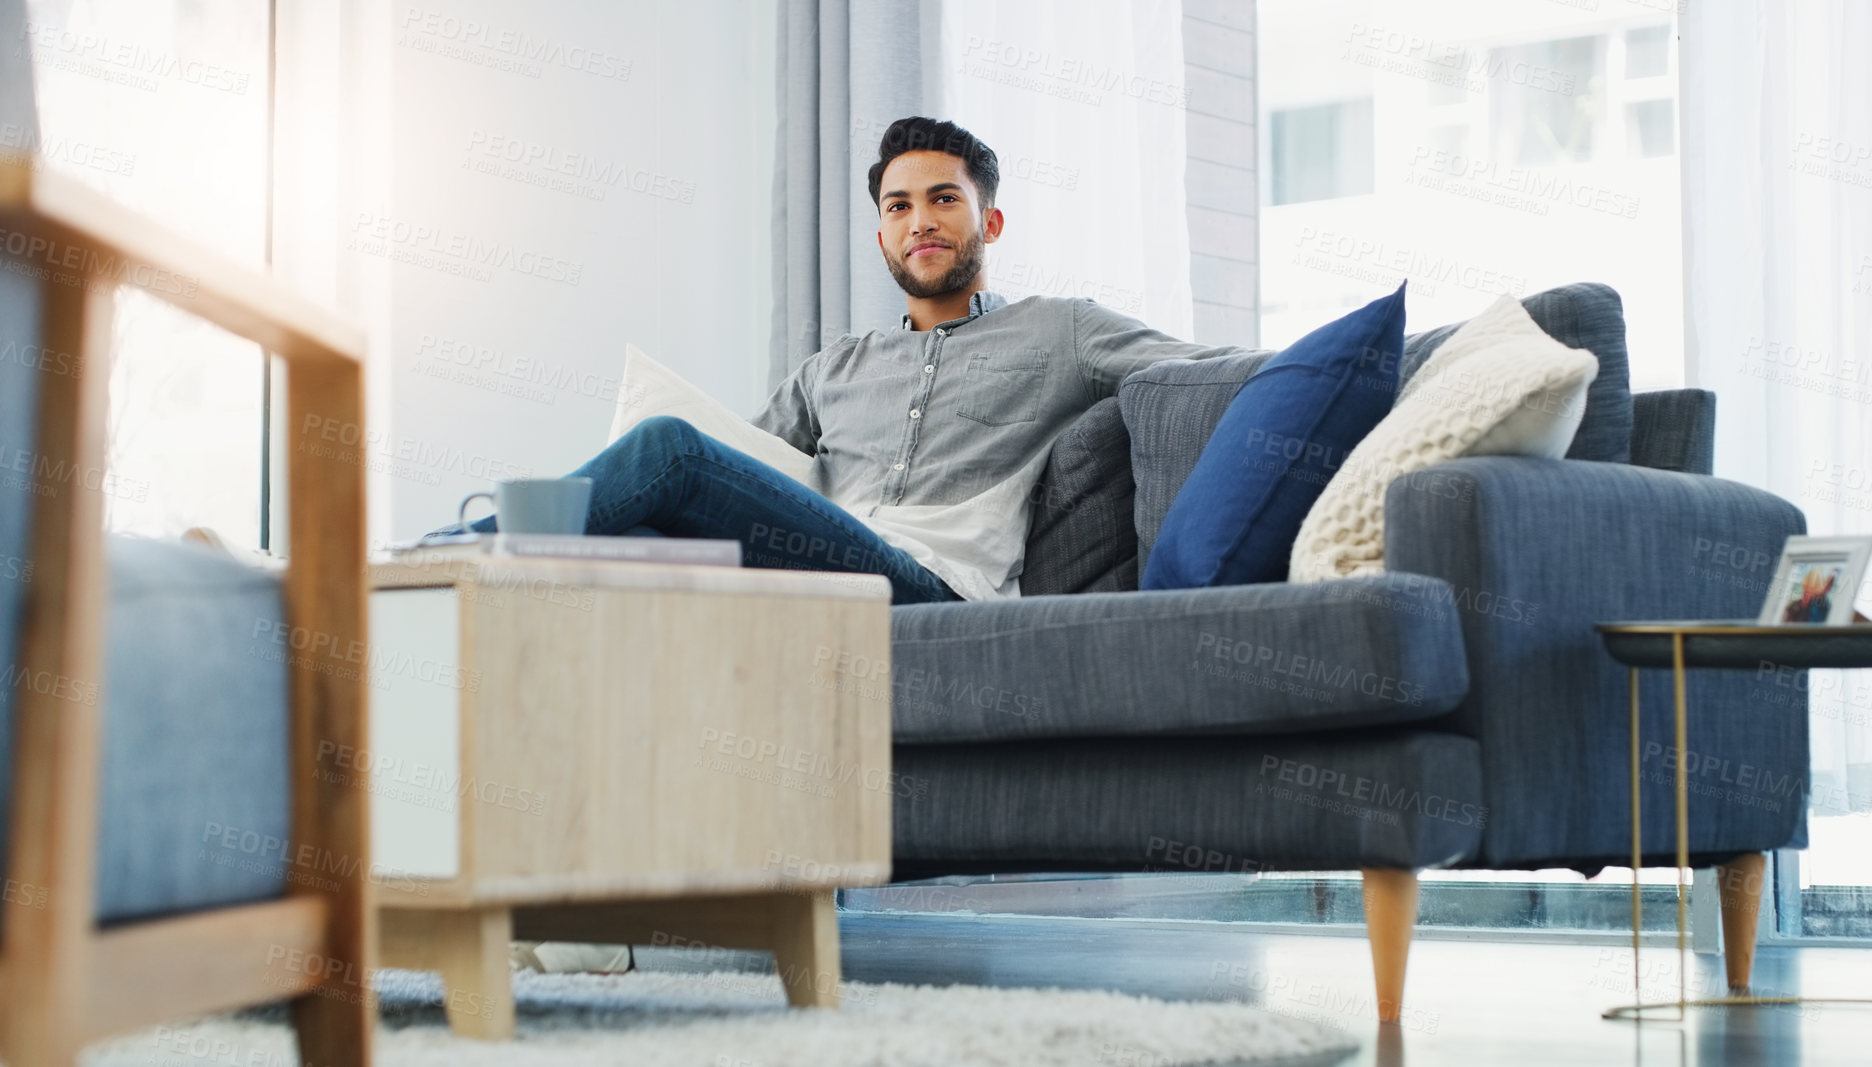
{"x": 1498, "y": 386}
{"x": 649, "y": 388}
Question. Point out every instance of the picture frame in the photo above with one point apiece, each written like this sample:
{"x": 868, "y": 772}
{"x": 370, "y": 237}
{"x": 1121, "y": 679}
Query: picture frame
{"x": 1816, "y": 581}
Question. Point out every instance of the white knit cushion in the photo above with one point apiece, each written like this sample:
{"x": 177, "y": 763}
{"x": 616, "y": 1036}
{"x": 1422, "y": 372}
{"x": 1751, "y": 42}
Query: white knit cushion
{"x": 649, "y": 388}
{"x": 1498, "y": 386}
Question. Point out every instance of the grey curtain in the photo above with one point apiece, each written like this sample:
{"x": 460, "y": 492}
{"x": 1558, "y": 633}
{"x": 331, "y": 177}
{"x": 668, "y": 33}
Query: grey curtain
{"x": 846, "y": 69}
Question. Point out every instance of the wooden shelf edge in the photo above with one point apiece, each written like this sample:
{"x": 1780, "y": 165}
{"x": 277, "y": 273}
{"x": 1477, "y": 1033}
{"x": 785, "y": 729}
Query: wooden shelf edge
{"x": 523, "y": 890}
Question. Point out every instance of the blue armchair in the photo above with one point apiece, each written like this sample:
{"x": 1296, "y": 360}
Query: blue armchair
{"x": 168, "y": 845}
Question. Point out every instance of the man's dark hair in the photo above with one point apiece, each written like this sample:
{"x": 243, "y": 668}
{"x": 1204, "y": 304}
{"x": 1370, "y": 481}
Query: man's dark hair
{"x": 919, "y": 134}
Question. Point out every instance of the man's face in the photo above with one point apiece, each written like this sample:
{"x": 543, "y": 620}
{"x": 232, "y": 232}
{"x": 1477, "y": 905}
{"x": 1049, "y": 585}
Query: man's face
{"x": 930, "y": 225}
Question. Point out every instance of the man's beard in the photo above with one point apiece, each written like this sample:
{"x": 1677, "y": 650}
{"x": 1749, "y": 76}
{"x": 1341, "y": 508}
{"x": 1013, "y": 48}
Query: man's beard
{"x": 968, "y": 263}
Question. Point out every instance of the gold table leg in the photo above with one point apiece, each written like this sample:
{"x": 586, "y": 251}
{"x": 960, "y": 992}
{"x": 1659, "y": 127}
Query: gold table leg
{"x": 1636, "y": 1011}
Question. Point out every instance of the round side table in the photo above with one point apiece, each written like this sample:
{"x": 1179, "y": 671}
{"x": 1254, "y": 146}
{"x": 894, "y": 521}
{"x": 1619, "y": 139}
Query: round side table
{"x": 1681, "y": 646}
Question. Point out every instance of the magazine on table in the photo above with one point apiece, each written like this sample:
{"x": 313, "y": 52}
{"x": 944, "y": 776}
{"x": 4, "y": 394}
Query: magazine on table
{"x": 687, "y": 550}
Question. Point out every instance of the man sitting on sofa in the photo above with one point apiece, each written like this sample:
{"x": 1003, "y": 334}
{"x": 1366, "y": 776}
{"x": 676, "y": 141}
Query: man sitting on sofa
{"x": 929, "y": 439}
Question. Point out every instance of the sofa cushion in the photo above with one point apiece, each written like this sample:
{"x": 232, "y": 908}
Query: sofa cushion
{"x": 1171, "y": 408}
{"x": 1334, "y": 801}
{"x": 1272, "y": 658}
{"x": 1499, "y": 386}
{"x": 195, "y": 772}
{"x": 1583, "y": 315}
{"x": 1081, "y": 538}
{"x": 1280, "y": 441}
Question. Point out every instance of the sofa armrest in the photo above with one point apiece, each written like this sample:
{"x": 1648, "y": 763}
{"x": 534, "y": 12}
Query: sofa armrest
{"x": 1674, "y": 430}
{"x": 1537, "y": 551}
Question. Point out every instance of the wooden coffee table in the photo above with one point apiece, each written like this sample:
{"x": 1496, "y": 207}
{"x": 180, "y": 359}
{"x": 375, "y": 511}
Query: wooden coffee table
{"x": 573, "y": 750}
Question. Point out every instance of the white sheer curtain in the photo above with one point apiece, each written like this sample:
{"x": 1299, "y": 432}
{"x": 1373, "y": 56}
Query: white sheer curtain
{"x": 1777, "y": 150}
{"x": 1083, "y": 101}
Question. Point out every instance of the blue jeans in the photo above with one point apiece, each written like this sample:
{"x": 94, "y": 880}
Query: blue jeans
{"x": 672, "y": 478}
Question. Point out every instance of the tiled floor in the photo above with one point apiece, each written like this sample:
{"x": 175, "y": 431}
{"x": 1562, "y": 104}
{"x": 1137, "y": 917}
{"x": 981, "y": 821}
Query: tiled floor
{"x": 1468, "y": 1003}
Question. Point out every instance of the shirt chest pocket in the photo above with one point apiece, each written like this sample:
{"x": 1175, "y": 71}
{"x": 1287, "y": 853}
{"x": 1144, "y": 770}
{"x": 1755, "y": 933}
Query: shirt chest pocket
{"x": 1002, "y": 388}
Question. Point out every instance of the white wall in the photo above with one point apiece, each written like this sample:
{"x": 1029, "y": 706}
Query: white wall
{"x": 526, "y": 187}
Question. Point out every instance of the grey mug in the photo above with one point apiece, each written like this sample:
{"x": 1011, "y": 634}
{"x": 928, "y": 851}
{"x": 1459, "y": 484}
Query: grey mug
{"x": 536, "y": 505}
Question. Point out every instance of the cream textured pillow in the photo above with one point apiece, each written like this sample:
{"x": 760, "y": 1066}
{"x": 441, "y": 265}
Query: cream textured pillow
{"x": 649, "y": 388}
{"x": 1498, "y": 386}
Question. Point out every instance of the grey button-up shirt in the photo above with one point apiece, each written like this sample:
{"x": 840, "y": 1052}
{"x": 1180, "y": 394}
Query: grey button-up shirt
{"x": 936, "y": 440}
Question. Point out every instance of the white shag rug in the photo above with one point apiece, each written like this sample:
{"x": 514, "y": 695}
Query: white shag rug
{"x": 738, "y": 1019}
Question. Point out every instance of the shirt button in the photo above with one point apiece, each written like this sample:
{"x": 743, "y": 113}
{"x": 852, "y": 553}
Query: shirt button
{"x": 915, "y": 414}
{"x": 942, "y": 333}
{"x": 929, "y": 368}
{"x": 896, "y": 466}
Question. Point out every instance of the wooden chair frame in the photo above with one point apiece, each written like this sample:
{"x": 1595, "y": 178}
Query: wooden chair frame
{"x": 63, "y": 981}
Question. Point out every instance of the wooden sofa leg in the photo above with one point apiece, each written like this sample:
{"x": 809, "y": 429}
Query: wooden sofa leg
{"x": 1739, "y": 883}
{"x": 1390, "y": 912}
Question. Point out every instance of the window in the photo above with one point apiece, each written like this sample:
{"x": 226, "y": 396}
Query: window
{"x": 1511, "y": 148}
{"x": 1651, "y": 128}
{"x": 1547, "y": 100}
{"x": 1322, "y": 152}
{"x": 163, "y": 105}
{"x": 1647, "y": 52}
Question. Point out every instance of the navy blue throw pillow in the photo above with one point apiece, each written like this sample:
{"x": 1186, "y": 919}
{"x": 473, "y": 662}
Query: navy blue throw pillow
{"x": 1281, "y": 440}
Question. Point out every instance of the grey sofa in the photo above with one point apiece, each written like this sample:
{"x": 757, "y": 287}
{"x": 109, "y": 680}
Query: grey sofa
{"x": 1458, "y": 711}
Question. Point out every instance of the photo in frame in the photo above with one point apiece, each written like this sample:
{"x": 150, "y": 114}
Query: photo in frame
{"x": 1816, "y": 581}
